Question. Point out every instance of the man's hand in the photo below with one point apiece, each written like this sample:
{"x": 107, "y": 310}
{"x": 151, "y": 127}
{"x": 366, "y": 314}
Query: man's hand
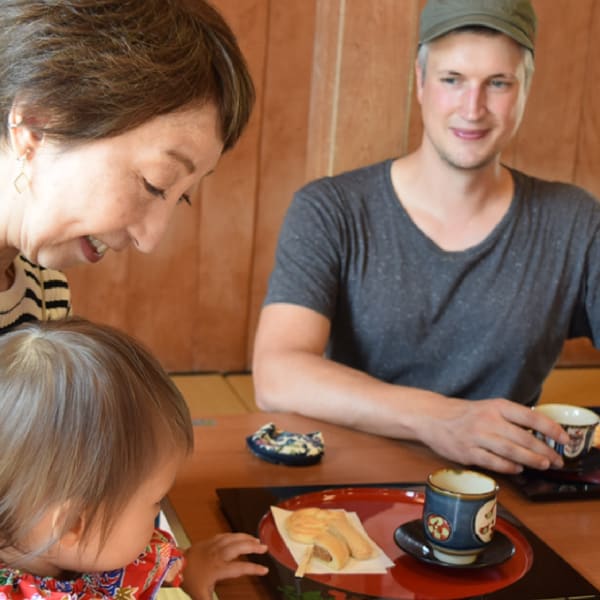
{"x": 495, "y": 434}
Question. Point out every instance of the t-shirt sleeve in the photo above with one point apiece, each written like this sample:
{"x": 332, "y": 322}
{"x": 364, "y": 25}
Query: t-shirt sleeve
{"x": 309, "y": 250}
{"x": 590, "y": 325}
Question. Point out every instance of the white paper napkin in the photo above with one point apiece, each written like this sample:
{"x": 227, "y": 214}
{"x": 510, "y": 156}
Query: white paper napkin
{"x": 378, "y": 564}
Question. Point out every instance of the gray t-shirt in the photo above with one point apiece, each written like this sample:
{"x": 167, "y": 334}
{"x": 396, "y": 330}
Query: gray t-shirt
{"x": 489, "y": 321}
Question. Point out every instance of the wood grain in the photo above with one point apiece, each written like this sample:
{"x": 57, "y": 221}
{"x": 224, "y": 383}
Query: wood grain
{"x": 284, "y": 148}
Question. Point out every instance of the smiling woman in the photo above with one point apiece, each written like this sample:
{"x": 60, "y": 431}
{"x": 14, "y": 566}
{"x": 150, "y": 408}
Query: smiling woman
{"x": 111, "y": 113}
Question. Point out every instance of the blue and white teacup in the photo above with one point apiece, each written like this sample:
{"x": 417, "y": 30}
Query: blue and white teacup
{"x": 578, "y": 422}
{"x": 459, "y": 515}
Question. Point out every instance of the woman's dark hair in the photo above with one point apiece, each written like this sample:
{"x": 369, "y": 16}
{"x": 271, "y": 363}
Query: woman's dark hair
{"x": 88, "y": 69}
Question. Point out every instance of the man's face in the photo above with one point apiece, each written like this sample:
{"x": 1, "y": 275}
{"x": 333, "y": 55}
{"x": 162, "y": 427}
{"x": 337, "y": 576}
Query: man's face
{"x": 472, "y": 97}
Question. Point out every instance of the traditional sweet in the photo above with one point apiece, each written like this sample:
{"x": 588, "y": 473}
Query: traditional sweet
{"x": 333, "y": 536}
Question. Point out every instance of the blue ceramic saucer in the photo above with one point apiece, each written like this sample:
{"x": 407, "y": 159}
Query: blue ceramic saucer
{"x": 410, "y": 537}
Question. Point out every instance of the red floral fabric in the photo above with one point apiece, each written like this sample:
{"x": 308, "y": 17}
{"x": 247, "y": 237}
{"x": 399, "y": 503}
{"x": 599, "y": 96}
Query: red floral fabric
{"x": 160, "y": 562}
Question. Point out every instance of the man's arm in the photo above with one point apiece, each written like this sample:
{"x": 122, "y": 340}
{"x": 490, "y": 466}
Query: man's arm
{"x": 291, "y": 374}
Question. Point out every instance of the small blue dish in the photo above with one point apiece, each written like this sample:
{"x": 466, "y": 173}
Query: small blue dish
{"x": 286, "y": 448}
{"x": 410, "y": 537}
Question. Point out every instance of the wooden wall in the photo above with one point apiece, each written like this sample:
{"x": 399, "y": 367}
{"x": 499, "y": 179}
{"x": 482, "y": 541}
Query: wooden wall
{"x": 335, "y": 91}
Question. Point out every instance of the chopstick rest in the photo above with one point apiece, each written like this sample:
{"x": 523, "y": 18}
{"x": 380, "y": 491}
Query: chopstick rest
{"x": 286, "y": 448}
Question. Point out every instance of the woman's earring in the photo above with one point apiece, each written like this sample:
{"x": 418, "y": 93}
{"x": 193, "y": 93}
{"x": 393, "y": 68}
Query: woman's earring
{"x": 21, "y": 181}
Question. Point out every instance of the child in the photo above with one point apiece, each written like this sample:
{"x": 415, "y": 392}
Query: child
{"x": 92, "y": 431}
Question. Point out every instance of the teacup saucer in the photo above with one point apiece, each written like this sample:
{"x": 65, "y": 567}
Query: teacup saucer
{"x": 410, "y": 537}
{"x": 589, "y": 462}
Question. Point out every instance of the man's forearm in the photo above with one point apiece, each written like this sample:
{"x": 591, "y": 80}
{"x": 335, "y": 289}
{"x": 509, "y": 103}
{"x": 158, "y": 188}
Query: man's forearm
{"x": 320, "y": 388}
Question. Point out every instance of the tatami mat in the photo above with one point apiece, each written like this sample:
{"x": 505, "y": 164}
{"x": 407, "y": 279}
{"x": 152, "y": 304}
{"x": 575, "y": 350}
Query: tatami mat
{"x": 214, "y": 394}
{"x": 242, "y": 385}
{"x": 209, "y": 395}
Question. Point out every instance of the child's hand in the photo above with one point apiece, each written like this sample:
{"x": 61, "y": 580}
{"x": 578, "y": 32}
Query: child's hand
{"x": 211, "y": 560}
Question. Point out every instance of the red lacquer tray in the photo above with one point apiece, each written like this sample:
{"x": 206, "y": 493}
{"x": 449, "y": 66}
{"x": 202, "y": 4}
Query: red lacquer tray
{"x": 381, "y": 511}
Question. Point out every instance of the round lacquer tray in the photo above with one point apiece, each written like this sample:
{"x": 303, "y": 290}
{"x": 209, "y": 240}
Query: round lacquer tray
{"x": 382, "y": 511}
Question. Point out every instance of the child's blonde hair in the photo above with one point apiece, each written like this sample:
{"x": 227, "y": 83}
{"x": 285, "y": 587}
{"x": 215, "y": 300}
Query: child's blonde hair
{"x": 85, "y": 414}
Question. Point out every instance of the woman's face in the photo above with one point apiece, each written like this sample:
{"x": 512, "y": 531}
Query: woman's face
{"x": 114, "y": 192}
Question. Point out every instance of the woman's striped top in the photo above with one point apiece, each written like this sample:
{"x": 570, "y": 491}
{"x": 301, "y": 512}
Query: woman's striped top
{"x": 37, "y": 294}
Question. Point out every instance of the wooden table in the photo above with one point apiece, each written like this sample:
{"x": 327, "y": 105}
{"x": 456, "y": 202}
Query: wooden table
{"x": 221, "y": 459}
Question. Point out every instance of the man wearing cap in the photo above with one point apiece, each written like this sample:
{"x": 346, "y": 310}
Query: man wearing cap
{"x": 427, "y": 297}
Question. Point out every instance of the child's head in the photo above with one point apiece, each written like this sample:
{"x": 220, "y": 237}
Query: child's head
{"x": 87, "y": 418}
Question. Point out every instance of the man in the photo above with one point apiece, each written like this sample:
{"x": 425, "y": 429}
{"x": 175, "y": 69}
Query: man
{"x": 428, "y": 297}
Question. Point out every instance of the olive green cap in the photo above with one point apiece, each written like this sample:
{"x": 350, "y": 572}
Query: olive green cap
{"x": 514, "y": 18}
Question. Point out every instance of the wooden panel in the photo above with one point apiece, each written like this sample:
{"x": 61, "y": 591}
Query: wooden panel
{"x": 415, "y": 124}
{"x": 378, "y": 46}
{"x": 587, "y": 168}
{"x": 546, "y": 142}
{"x": 324, "y": 85}
{"x": 224, "y": 252}
{"x": 363, "y": 62}
{"x": 283, "y": 147}
{"x": 579, "y": 352}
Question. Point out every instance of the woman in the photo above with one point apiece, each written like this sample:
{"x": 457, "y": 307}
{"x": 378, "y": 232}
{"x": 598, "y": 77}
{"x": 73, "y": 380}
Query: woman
{"x": 111, "y": 113}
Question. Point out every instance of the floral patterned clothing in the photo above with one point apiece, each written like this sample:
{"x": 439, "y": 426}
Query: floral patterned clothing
{"x": 141, "y": 580}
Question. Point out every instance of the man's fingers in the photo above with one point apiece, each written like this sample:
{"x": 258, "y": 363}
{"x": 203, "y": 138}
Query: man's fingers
{"x": 494, "y": 462}
{"x": 535, "y": 420}
{"x": 526, "y": 452}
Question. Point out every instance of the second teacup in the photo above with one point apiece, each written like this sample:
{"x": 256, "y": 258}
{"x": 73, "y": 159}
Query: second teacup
{"x": 459, "y": 515}
{"x": 578, "y": 422}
